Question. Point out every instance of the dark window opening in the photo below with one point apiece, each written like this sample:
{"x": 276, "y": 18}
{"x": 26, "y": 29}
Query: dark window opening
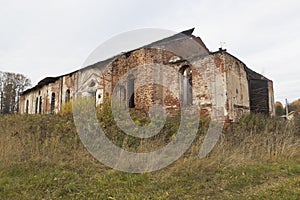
{"x": 68, "y": 96}
{"x": 52, "y": 103}
{"x": 92, "y": 84}
{"x": 186, "y": 85}
{"x": 27, "y": 106}
{"x": 130, "y": 94}
{"x": 40, "y": 106}
{"x": 36, "y": 105}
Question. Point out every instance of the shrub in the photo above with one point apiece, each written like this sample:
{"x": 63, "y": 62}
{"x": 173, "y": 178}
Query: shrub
{"x": 67, "y": 108}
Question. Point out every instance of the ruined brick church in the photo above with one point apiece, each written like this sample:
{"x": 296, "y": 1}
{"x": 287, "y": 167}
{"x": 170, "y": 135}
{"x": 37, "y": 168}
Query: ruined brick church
{"x": 189, "y": 74}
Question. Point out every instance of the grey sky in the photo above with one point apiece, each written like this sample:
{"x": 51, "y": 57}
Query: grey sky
{"x": 50, "y": 38}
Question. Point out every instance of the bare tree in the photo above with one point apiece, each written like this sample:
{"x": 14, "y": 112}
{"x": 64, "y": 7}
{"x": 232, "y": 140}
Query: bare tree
{"x": 11, "y": 87}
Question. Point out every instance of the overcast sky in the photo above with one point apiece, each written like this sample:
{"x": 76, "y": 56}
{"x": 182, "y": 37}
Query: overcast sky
{"x": 49, "y": 38}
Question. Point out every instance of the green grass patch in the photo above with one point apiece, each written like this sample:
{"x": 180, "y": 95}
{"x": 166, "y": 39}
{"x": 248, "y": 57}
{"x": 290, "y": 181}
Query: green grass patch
{"x": 41, "y": 157}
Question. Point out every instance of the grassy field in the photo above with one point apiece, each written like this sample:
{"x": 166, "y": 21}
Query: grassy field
{"x": 41, "y": 157}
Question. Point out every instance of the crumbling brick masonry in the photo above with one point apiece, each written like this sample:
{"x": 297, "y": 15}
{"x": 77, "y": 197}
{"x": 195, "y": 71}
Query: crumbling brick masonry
{"x": 173, "y": 72}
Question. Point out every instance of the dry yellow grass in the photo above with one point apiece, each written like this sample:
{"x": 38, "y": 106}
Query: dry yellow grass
{"x": 42, "y": 157}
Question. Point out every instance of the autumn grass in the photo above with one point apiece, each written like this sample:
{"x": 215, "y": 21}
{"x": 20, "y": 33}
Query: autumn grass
{"x": 41, "y": 157}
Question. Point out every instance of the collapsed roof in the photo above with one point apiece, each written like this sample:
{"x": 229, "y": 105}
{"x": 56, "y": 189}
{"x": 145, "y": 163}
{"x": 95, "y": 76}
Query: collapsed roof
{"x": 187, "y": 45}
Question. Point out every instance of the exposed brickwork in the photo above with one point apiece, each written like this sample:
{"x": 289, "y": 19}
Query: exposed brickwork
{"x": 219, "y": 82}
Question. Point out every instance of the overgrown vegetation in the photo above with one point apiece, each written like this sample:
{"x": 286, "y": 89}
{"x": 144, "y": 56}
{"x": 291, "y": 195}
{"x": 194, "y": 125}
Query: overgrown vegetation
{"x": 41, "y": 157}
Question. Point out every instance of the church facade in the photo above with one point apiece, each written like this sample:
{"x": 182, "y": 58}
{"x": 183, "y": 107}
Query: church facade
{"x": 173, "y": 72}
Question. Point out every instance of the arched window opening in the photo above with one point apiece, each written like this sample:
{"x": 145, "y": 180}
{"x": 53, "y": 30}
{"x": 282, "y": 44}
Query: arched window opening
{"x": 40, "y": 106}
{"x": 27, "y": 106}
{"x": 52, "y": 103}
{"x": 68, "y": 96}
{"x": 36, "y": 105}
{"x": 186, "y": 85}
{"x": 130, "y": 89}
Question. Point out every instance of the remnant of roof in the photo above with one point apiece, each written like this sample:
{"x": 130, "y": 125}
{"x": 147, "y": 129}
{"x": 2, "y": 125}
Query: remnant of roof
{"x": 46, "y": 81}
{"x": 181, "y": 35}
{"x": 102, "y": 64}
{"x": 250, "y": 73}
{"x": 199, "y": 40}
{"x": 187, "y": 34}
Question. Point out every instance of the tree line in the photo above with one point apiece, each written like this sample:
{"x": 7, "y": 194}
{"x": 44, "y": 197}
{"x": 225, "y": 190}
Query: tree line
{"x": 281, "y": 110}
{"x": 11, "y": 87}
